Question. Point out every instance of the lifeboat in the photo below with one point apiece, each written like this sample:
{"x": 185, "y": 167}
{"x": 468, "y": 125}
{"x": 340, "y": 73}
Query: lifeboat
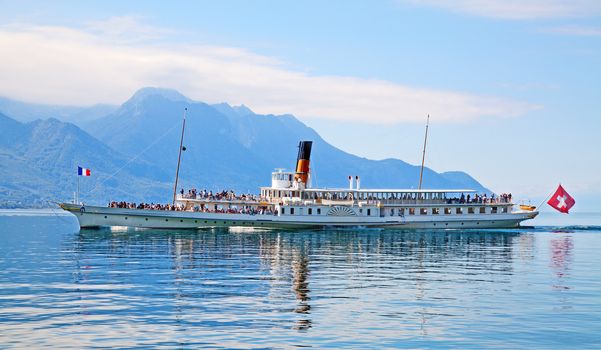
{"x": 527, "y": 207}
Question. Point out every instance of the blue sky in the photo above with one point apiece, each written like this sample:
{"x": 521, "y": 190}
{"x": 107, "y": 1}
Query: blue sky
{"x": 512, "y": 87}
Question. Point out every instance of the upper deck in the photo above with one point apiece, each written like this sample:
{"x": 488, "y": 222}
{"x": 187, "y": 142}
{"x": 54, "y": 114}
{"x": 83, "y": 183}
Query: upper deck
{"x": 379, "y": 196}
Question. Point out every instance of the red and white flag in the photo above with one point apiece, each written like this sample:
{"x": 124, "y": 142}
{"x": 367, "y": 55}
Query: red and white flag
{"x": 561, "y": 200}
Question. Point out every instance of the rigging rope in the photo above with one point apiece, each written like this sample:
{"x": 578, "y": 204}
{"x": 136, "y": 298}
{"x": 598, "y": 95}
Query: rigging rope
{"x": 132, "y": 159}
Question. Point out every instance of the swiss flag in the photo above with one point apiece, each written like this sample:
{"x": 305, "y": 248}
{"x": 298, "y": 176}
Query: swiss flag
{"x": 561, "y": 200}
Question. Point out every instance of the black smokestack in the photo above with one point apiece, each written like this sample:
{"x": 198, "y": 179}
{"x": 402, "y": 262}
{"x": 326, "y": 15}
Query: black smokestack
{"x": 304, "y": 150}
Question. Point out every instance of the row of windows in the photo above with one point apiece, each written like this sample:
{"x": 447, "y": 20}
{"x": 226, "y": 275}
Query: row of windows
{"x": 347, "y": 195}
{"x": 282, "y": 176}
{"x": 309, "y": 211}
{"x": 409, "y": 211}
{"x": 206, "y": 221}
{"x": 446, "y": 211}
{"x": 278, "y": 193}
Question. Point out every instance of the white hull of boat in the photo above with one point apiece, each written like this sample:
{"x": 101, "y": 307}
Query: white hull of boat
{"x": 92, "y": 216}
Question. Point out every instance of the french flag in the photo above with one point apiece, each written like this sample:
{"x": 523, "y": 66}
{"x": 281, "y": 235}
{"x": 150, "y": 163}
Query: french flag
{"x": 83, "y": 171}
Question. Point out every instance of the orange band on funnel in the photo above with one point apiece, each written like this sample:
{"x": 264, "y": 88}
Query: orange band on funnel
{"x": 302, "y": 170}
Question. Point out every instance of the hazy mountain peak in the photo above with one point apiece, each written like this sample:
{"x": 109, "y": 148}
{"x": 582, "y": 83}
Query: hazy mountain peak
{"x": 147, "y": 92}
{"x": 232, "y": 111}
{"x": 243, "y": 110}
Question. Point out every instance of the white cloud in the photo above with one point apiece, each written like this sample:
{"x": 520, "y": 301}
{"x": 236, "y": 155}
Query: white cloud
{"x": 517, "y": 9}
{"x": 127, "y": 29}
{"x": 61, "y": 65}
{"x": 574, "y": 30}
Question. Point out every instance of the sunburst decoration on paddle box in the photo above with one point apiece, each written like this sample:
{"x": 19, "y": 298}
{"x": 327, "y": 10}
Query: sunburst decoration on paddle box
{"x": 341, "y": 211}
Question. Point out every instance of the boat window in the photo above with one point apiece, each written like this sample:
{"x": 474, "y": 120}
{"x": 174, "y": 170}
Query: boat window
{"x": 435, "y": 211}
{"x": 291, "y": 211}
{"x": 447, "y": 211}
{"x": 470, "y": 210}
{"x": 290, "y": 177}
{"x": 411, "y": 211}
{"x": 391, "y": 212}
{"x": 493, "y": 210}
{"x": 368, "y": 212}
{"x": 401, "y": 211}
{"x": 283, "y": 210}
{"x": 318, "y": 211}
{"x": 310, "y": 211}
{"x": 459, "y": 211}
{"x": 504, "y": 210}
{"x": 482, "y": 210}
{"x": 423, "y": 211}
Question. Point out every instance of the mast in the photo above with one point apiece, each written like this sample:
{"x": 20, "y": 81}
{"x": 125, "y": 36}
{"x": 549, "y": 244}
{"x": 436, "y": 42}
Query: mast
{"x": 179, "y": 157}
{"x": 421, "y": 172}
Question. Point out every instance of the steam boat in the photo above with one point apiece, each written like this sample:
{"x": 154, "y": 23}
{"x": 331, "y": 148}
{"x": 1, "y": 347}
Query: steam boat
{"x": 290, "y": 202}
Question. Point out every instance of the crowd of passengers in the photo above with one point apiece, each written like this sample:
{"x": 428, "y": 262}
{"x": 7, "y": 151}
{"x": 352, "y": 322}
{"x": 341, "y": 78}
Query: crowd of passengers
{"x": 146, "y": 206}
{"x": 219, "y": 196}
{"x": 502, "y": 198}
{"x": 476, "y": 198}
{"x": 202, "y": 209}
{"x": 235, "y": 210}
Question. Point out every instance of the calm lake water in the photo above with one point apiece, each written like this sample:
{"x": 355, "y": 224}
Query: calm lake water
{"x": 531, "y": 288}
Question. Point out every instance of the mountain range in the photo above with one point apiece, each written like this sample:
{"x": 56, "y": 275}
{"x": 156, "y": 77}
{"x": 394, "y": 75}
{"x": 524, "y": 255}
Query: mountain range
{"x": 132, "y": 150}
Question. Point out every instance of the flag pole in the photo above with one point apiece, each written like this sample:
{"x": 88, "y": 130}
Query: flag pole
{"x": 546, "y": 199}
{"x": 421, "y": 172}
{"x": 179, "y": 157}
{"x": 77, "y": 197}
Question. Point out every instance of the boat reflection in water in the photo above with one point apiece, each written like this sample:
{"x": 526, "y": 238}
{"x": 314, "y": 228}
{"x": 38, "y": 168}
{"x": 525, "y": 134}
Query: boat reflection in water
{"x": 270, "y": 279}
